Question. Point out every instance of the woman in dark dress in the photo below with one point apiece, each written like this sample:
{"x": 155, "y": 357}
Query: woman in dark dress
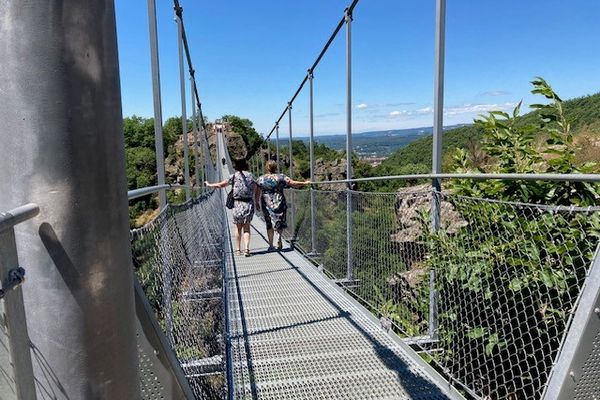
{"x": 272, "y": 200}
{"x": 244, "y": 187}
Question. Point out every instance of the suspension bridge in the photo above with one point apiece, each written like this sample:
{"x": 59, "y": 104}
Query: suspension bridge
{"x": 417, "y": 294}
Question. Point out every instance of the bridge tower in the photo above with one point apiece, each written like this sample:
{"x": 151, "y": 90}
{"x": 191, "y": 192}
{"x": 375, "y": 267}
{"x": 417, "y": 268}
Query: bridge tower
{"x": 62, "y": 148}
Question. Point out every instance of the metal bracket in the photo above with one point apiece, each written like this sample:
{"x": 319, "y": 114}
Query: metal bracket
{"x": 178, "y": 10}
{"x": 347, "y": 283}
{"x": 347, "y": 15}
{"x": 386, "y": 323}
{"x": 16, "y": 277}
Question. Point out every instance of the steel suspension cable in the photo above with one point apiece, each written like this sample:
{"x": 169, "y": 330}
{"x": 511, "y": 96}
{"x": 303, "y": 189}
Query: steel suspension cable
{"x": 337, "y": 29}
{"x": 192, "y": 72}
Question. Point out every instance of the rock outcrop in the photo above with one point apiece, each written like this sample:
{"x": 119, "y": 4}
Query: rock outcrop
{"x": 412, "y": 201}
{"x": 330, "y": 171}
{"x": 411, "y": 204}
{"x": 235, "y": 142}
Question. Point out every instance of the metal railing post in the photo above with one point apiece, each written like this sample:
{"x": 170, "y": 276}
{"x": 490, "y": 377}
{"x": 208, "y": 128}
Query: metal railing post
{"x": 438, "y": 130}
{"x": 277, "y": 146}
{"x": 348, "y": 19}
{"x": 291, "y": 174}
{"x": 207, "y": 166}
{"x": 198, "y": 184}
{"x": 184, "y": 129}
{"x": 158, "y": 133}
{"x": 291, "y": 169}
{"x": 311, "y": 150}
{"x": 15, "y": 322}
{"x": 269, "y": 148}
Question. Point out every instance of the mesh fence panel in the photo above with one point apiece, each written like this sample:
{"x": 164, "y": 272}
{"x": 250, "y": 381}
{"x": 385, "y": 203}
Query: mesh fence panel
{"x": 178, "y": 259}
{"x": 508, "y": 276}
{"x": 508, "y": 282}
{"x": 330, "y": 226}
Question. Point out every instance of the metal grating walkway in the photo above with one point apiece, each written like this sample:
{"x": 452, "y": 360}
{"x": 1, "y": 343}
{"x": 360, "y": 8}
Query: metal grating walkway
{"x": 293, "y": 334}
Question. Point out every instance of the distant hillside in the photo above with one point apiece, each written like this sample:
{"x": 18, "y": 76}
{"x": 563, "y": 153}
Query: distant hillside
{"x": 375, "y": 143}
{"x": 582, "y": 112}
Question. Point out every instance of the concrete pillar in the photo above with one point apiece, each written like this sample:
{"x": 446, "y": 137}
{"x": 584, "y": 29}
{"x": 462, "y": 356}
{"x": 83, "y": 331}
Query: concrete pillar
{"x": 63, "y": 148}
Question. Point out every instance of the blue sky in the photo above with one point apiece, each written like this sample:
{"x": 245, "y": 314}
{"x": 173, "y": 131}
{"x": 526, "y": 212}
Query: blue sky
{"x": 250, "y": 56}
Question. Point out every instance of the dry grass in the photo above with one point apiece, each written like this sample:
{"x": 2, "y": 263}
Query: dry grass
{"x": 587, "y": 139}
{"x": 146, "y": 217}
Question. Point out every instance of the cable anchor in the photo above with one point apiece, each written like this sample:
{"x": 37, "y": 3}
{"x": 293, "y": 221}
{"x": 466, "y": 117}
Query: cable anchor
{"x": 16, "y": 277}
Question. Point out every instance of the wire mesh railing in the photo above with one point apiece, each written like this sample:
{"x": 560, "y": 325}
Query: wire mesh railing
{"x": 178, "y": 259}
{"x": 507, "y": 277}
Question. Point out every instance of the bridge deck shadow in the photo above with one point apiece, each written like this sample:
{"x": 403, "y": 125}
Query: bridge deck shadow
{"x": 295, "y": 334}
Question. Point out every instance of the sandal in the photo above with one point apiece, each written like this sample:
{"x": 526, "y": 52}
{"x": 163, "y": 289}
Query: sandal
{"x": 247, "y": 253}
{"x": 238, "y": 253}
{"x": 270, "y": 249}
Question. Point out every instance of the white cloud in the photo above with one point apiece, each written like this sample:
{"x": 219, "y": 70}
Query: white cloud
{"x": 362, "y": 106}
{"x": 495, "y": 93}
{"x": 395, "y": 114}
{"x": 426, "y": 110}
{"x": 453, "y": 110}
{"x": 327, "y": 115}
{"x": 459, "y": 109}
{"x": 477, "y": 108}
{"x": 399, "y": 104}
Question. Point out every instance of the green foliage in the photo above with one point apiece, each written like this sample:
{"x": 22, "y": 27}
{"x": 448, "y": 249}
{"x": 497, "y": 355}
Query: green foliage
{"x": 141, "y": 159}
{"x": 517, "y": 265}
{"x": 390, "y": 186}
{"x": 139, "y": 132}
{"x": 419, "y": 151}
{"x": 141, "y": 167}
{"x": 510, "y": 142}
{"x": 301, "y": 156}
{"x": 245, "y": 128}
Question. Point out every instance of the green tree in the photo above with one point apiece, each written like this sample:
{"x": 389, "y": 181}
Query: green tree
{"x": 139, "y": 132}
{"x": 520, "y": 267}
{"x": 172, "y": 132}
{"x": 245, "y": 128}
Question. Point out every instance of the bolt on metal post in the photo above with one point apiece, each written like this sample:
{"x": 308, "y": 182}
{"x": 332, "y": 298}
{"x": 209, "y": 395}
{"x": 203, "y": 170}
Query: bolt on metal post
{"x": 313, "y": 249}
{"x": 184, "y": 129}
{"x": 438, "y": 130}
{"x": 348, "y": 18}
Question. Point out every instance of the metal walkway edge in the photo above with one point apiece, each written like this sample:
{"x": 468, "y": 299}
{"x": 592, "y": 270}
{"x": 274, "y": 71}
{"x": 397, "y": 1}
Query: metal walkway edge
{"x": 293, "y": 334}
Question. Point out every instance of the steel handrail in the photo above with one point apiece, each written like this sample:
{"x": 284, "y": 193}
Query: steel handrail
{"x": 17, "y": 215}
{"x": 512, "y": 177}
{"x": 136, "y": 193}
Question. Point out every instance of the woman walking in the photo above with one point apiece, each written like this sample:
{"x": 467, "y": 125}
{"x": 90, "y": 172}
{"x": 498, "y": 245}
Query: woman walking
{"x": 272, "y": 200}
{"x": 244, "y": 187}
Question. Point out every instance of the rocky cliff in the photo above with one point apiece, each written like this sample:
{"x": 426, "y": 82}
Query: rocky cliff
{"x": 174, "y": 168}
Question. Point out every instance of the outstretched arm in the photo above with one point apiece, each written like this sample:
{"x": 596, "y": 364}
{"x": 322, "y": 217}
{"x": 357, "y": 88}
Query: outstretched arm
{"x": 217, "y": 185}
{"x": 298, "y": 184}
